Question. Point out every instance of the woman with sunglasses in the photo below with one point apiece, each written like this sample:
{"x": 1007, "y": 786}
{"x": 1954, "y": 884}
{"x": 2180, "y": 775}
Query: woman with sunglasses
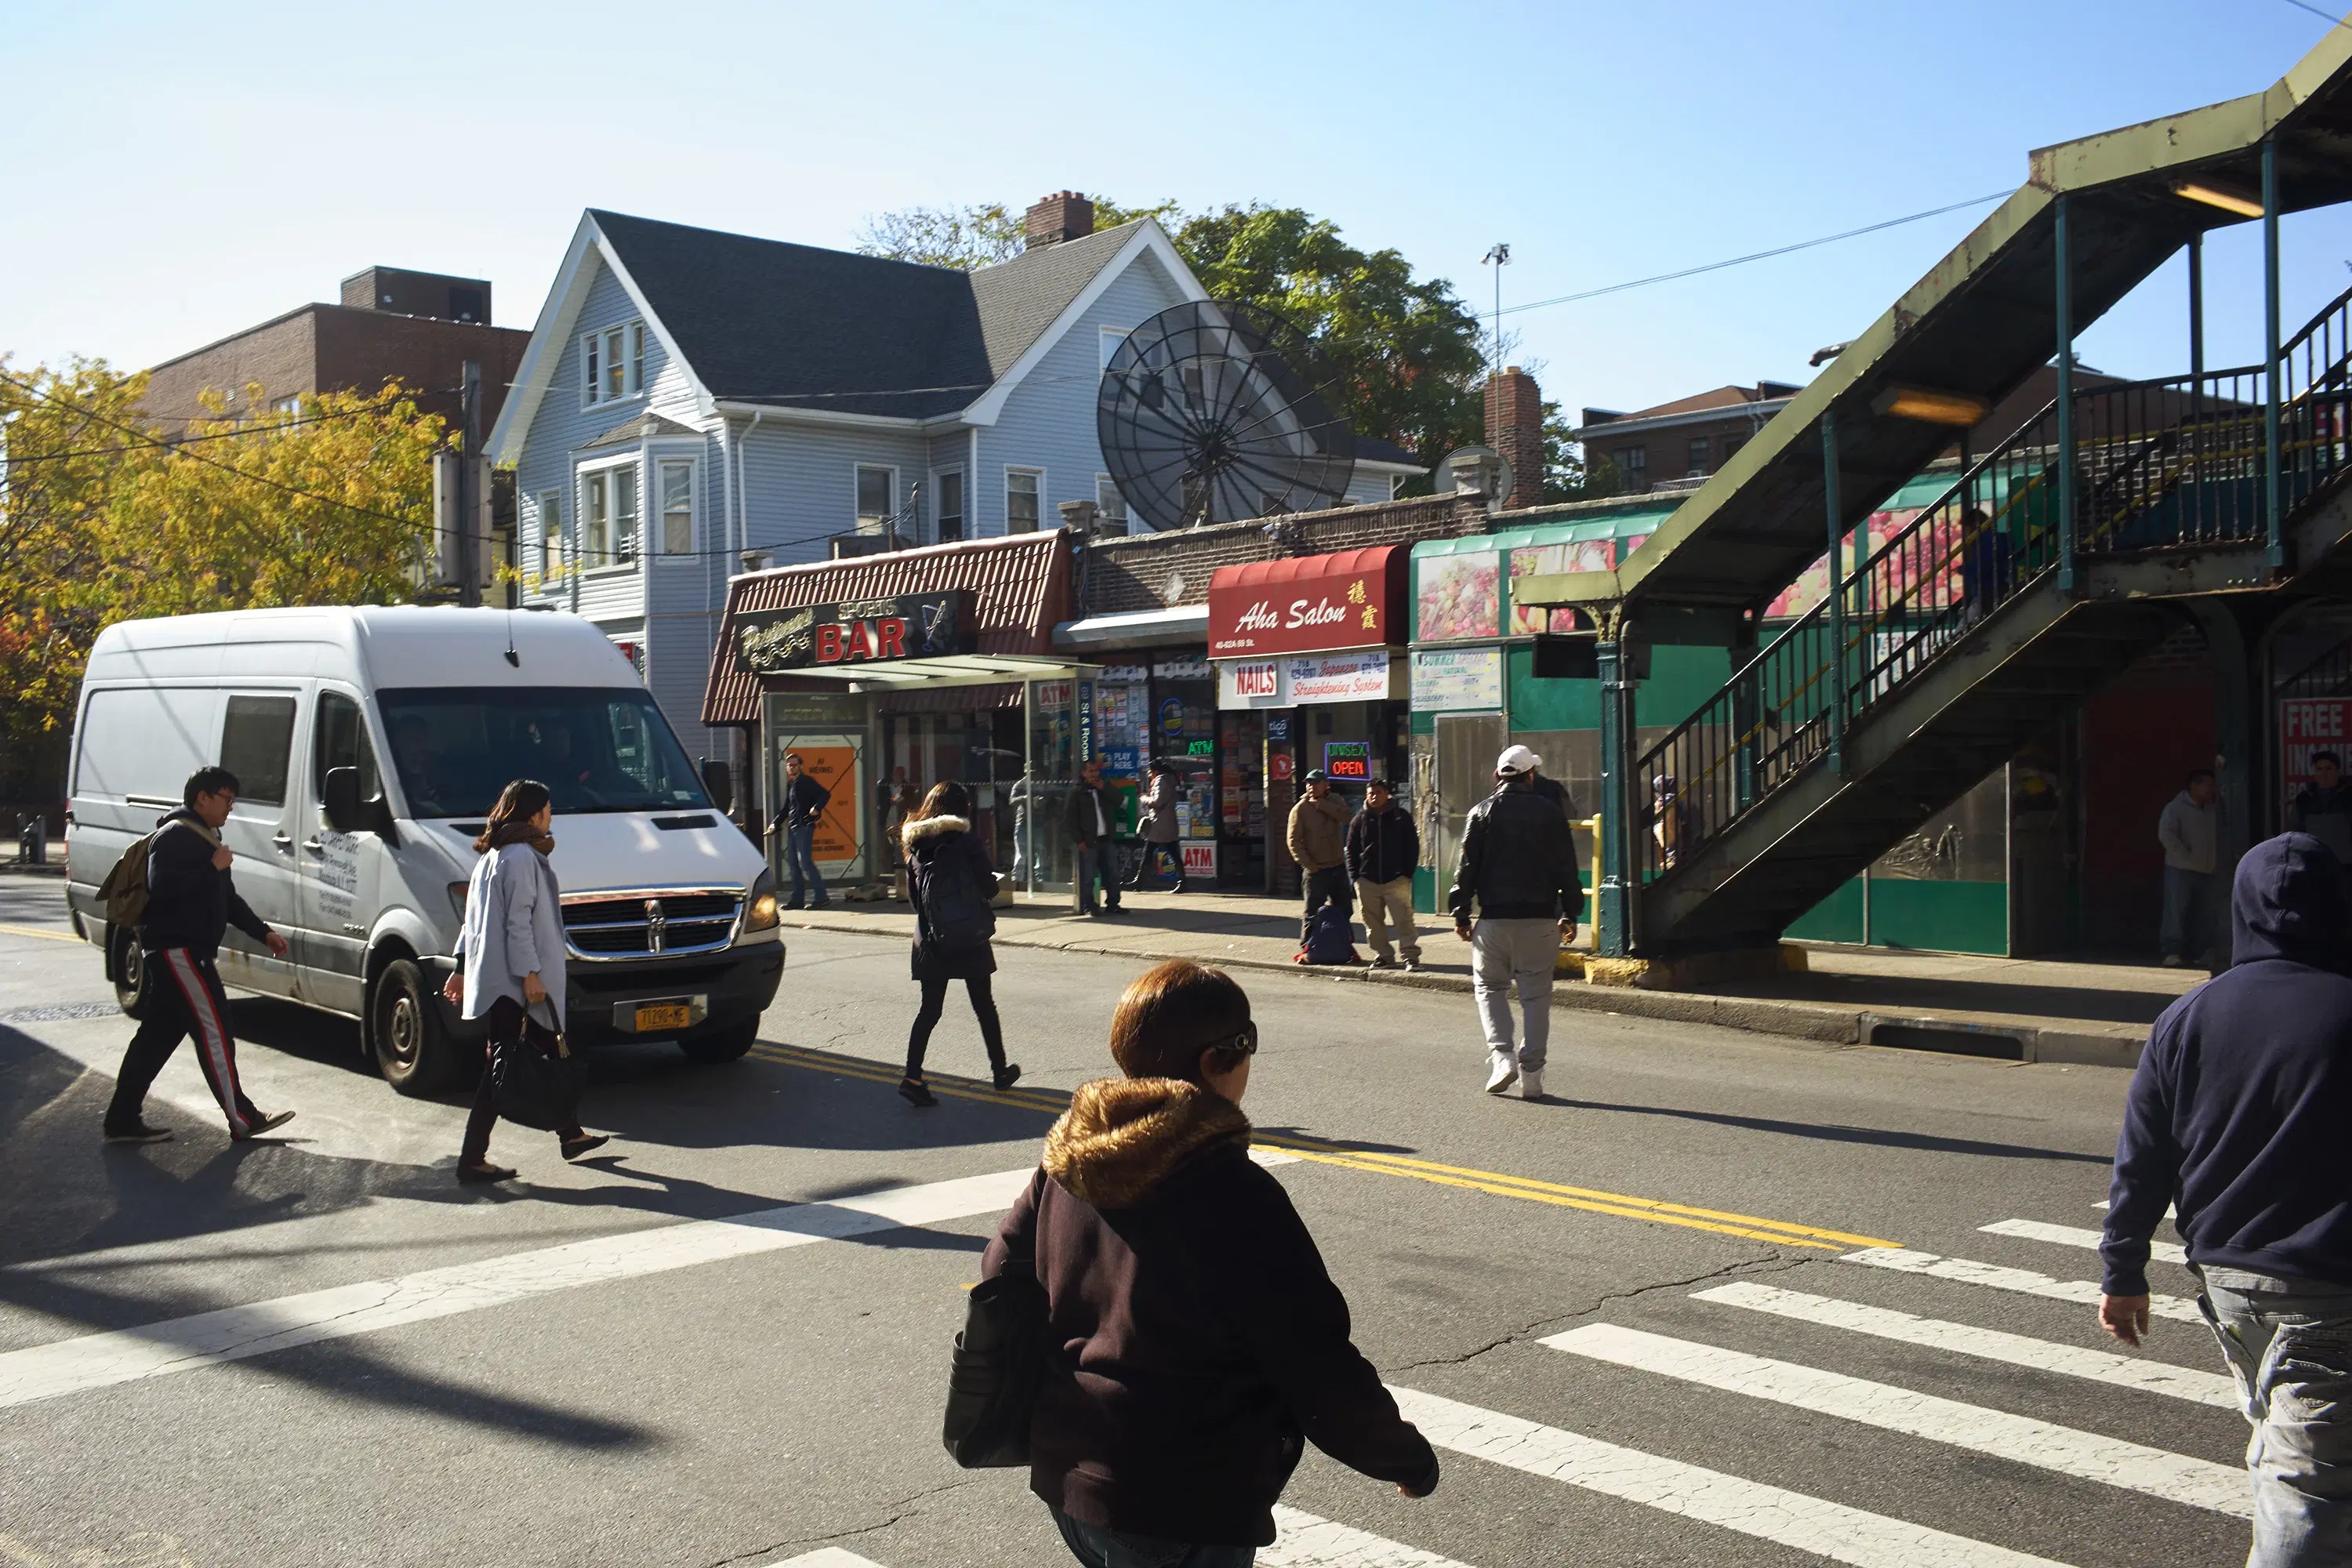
{"x": 1200, "y": 1341}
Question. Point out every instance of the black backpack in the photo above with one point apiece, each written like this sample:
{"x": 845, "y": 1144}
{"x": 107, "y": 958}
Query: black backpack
{"x": 955, "y": 911}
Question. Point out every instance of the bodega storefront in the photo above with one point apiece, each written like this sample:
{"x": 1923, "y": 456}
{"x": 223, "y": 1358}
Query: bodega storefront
{"x": 888, "y": 674}
{"x": 1310, "y": 673}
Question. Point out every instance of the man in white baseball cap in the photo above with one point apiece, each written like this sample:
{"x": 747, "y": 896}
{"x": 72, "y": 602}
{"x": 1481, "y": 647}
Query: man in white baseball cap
{"x": 1518, "y": 866}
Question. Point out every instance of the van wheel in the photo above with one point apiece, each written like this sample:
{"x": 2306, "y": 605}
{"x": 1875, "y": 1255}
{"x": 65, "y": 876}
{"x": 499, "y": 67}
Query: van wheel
{"x": 130, "y": 974}
{"x": 414, "y": 1054}
{"x": 726, "y": 1044}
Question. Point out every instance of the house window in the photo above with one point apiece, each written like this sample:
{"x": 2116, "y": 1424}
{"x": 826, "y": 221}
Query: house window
{"x": 608, "y": 515}
{"x": 289, "y": 406}
{"x": 1633, "y": 462}
{"x": 1112, "y": 337}
{"x": 877, "y": 488}
{"x": 1731, "y": 444}
{"x": 613, "y": 363}
{"x": 677, "y": 507}
{"x": 1700, "y": 451}
{"x": 951, "y": 485}
{"x": 1020, "y": 490}
{"x": 550, "y": 536}
{"x": 1110, "y": 505}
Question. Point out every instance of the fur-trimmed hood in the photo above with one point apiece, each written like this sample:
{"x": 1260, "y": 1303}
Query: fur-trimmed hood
{"x": 1123, "y": 1136}
{"x": 923, "y": 829}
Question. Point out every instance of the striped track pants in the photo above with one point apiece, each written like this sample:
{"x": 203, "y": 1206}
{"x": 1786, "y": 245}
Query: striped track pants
{"x": 184, "y": 1000}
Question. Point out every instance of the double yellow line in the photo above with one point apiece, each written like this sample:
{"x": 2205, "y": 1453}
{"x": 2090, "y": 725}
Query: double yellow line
{"x": 1622, "y": 1206}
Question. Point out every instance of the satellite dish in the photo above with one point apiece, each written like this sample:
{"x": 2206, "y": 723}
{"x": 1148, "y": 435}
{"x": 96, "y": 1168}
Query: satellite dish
{"x": 1215, "y": 411}
{"x": 1480, "y": 469}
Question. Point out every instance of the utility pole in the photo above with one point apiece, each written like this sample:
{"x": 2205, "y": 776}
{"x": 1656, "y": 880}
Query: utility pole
{"x": 1500, "y": 257}
{"x": 470, "y": 489}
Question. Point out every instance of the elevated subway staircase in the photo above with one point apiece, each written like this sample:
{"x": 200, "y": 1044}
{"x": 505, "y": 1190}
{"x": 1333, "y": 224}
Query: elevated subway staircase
{"x": 1961, "y": 636}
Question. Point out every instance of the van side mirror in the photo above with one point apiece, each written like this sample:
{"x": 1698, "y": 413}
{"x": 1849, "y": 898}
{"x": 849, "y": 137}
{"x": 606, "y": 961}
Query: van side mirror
{"x": 718, "y": 780}
{"x": 340, "y": 794}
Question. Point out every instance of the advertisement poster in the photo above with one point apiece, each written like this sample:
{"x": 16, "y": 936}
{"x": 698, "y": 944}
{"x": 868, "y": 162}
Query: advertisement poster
{"x": 2308, "y": 725}
{"x": 832, "y": 761}
{"x": 1586, "y": 555}
{"x": 1930, "y": 572}
{"x": 1460, "y": 597}
{"x": 1449, "y": 680}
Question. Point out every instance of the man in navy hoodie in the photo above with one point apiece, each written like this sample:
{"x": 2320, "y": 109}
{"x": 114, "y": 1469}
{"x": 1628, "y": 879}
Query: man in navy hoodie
{"x": 2239, "y": 1116}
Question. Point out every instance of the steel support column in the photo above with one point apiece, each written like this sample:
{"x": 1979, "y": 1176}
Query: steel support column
{"x": 2274, "y": 541}
{"x": 1614, "y": 907}
{"x": 2065, "y": 302}
{"x": 1835, "y": 509}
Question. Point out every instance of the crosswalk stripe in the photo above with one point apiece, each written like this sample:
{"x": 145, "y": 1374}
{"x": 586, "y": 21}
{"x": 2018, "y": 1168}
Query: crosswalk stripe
{"x": 1308, "y": 1540}
{"x": 2221, "y": 1488}
{"x": 827, "y": 1557}
{"x": 1825, "y": 1528}
{"x": 2077, "y": 1235}
{"x": 1986, "y": 1344}
{"x": 2019, "y": 1281}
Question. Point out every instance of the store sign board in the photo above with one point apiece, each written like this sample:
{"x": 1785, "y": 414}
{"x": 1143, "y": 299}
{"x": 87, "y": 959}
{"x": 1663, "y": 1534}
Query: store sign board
{"x": 1449, "y": 680}
{"x": 1200, "y": 860}
{"x": 1288, "y": 682}
{"x": 905, "y": 626}
{"x": 1181, "y": 666}
{"x": 1347, "y": 605}
{"x": 2307, "y": 725}
{"x": 1348, "y": 761}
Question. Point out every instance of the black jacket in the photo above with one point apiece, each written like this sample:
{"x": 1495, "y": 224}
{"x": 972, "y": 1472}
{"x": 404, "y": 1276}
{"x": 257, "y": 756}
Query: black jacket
{"x": 2238, "y": 1112}
{"x": 1081, "y": 811}
{"x": 929, "y": 842}
{"x": 1202, "y": 1344}
{"x": 804, "y": 801}
{"x": 1518, "y": 860}
{"x": 1382, "y": 847}
{"x": 190, "y": 904}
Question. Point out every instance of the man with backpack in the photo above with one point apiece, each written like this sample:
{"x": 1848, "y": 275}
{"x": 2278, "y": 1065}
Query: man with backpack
{"x": 190, "y": 901}
{"x": 1518, "y": 866}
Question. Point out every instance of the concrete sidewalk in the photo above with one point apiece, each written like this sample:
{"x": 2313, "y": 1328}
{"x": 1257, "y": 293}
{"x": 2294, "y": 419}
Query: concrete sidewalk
{"x": 2019, "y": 1009}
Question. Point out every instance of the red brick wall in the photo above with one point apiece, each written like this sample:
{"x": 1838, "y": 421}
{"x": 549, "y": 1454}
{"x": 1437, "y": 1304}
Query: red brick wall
{"x": 282, "y": 356}
{"x": 1515, "y": 428}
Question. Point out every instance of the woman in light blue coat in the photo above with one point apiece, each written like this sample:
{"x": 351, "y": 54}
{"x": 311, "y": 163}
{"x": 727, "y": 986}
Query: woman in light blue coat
{"x": 511, "y": 957}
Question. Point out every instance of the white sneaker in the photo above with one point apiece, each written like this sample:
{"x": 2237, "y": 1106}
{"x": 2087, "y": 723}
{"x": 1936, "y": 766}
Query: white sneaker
{"x": 1532, "y": 1084}
{"x": 1505, "y": 1074}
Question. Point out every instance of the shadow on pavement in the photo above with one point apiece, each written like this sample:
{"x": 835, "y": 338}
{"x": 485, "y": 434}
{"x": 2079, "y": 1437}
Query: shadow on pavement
{"x": 1835, "y": 1132}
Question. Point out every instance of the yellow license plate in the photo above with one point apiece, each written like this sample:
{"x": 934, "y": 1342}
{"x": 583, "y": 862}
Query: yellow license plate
{"x": 673, "y": 1016}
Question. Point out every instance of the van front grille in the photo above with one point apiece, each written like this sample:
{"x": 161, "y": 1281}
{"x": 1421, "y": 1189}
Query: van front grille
{"x": 635, "y": 925}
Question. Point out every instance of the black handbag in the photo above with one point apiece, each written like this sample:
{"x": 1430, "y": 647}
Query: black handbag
{"x": 1000, "y": 1359}
{"x": 535, "y": 1079}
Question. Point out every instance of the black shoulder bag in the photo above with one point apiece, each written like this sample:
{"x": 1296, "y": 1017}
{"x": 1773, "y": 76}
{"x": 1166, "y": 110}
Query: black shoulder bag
{"x": 535, "y": 1079}
{"x": 1000, "y": 1359}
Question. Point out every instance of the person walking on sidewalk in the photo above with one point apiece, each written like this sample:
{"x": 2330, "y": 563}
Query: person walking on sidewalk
{"x": 951, "y": 884}
{"x": 1199, "y": 1342}
{"x": 1518, "y": 866}
{"x": 803, "y": 803}
{"x": 1090, "y": 824}
{"x": 192, "y": 901}
{"x": 1159, "y": 804}
{"x": 510, "y": 964}
{"x": 1384, "y": 847}
{"x": 1317, "y": 837}
{"x": 2189, "y": 829}
{"x": 2236, "y": 1116}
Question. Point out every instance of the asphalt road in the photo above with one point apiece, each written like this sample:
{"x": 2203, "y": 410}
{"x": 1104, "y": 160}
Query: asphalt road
{"x": 335, "y": 1354}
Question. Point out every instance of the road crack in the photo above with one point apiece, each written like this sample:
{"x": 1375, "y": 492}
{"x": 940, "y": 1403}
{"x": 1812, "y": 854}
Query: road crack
{"x": 895, "y": 1512}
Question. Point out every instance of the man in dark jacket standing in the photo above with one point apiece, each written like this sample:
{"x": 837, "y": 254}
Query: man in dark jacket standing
{"x": 2237, "y": 1117}
{"x": 1090, "y": 817}
{"x": 1384, "y": 847}
{"x": 1519, "y": 863}
{"x": 803, "y": 803}
{"x": 191, "y": 902}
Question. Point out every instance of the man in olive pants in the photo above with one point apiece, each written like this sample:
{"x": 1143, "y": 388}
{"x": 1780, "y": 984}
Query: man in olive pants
{"x": 1518, "y": 864}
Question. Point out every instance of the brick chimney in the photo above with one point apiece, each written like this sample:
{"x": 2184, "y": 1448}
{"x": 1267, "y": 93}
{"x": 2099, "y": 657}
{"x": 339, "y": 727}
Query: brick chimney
{"x": 1515, "y": 428}
{"x": 1065, "y": 215}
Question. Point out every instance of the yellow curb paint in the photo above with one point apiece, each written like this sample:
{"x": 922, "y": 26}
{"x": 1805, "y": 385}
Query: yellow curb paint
{"x": 37, "y": 931}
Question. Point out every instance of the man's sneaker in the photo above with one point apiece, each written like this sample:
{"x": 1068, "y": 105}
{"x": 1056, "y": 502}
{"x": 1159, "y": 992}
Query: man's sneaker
{"x": 270, "y": 1123}
{"x": 1380, "y": 962}
{"x": 138, "y": 1132}
{"x": 1412, "y": 966}
{"x": 1505, "y": 1072}
{"x": 2174, "y": 961}
{"x": 1531, "y": 1083}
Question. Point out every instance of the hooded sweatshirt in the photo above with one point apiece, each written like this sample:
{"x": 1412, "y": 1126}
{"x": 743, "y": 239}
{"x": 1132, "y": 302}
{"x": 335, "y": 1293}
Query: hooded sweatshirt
{"x": 1201, "y": 1341}
{"x": 2239, "y": 1111}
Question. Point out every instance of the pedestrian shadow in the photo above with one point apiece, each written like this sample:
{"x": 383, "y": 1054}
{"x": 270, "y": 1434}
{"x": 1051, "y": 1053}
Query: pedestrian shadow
{"x": 1839, "y": 1133}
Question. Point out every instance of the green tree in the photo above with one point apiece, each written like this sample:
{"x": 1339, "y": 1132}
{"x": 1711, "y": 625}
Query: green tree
{"x": 978, "y": 236}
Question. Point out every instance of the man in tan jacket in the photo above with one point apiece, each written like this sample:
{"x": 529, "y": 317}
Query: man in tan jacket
{"x": 1318, "y": 842}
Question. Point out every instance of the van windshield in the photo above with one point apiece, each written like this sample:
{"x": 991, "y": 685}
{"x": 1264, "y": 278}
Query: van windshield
{"x": 595, "y": 748}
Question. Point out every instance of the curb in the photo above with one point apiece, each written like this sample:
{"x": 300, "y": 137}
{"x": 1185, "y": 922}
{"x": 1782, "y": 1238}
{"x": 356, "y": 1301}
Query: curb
{"x": 1819, "y": 1022}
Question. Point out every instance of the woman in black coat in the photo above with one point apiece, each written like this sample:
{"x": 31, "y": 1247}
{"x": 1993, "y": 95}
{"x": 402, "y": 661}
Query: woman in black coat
{"x": 941, "y": 849}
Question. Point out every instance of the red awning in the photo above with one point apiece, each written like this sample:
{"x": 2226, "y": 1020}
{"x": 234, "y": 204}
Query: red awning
{"x": 1310, "y": 604}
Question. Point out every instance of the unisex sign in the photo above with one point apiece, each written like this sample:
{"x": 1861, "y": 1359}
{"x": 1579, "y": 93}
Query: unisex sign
{"x": 908, "y": 626}
{"x": 1353, "y": 599}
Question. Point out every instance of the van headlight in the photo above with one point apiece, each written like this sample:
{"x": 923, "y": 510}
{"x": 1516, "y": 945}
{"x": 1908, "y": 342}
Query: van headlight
{"x": 764, "y": 912}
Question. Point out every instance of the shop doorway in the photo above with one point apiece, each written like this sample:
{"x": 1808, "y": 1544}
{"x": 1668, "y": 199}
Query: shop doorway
{"x": 837, "y": 760}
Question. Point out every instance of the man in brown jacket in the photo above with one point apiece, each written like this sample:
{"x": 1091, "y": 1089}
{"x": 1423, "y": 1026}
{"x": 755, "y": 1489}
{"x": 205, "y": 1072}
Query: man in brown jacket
{"x": 1318, "y": 842}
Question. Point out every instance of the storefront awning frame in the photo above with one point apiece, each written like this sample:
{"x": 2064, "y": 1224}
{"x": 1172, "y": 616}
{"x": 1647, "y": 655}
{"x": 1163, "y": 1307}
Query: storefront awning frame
{"x": 945, "y": 672}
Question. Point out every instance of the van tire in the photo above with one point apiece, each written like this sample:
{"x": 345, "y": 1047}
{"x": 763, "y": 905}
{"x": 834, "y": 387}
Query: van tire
{"x": 412, "y": 1051}
{"x": 730, "y": 1044}
{"x": 131, "y": 973}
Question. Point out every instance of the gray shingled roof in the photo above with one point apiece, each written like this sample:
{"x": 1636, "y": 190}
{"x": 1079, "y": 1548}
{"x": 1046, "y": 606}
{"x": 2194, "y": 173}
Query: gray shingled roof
{"x": 629, "y": 432}
{"x": 1019, "y": 299}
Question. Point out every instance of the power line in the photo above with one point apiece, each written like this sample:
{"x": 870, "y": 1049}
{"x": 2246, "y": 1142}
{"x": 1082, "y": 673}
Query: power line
{"x": 1759, "y": 255}
{"x": 2333, "y": 21}
{"x": 175, "y": 443}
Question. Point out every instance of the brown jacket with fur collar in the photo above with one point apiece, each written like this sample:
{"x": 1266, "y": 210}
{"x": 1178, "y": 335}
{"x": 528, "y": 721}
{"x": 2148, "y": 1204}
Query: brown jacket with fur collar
{"x": 1201, "y": 1338}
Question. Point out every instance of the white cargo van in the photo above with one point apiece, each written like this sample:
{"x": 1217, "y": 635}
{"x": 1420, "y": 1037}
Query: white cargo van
{"x": 370, "y": 743}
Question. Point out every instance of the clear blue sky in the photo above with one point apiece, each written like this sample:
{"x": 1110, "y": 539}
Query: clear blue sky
{"x": 177, "y": 173}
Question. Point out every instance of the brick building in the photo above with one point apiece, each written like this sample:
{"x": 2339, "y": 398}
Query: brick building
{"x": 417, "y": 328}
{"x": 1688, "y": 439}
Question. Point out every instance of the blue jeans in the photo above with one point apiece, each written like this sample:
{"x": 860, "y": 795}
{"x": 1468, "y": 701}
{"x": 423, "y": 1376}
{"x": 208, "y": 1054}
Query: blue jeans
{"x": 1098, "y": 860}
{"x": 2291, "y": 1358}
{"x": 2189, "y": 899}
{"x": 1098, "y": 1548}
{"x": 800, "y": 854}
